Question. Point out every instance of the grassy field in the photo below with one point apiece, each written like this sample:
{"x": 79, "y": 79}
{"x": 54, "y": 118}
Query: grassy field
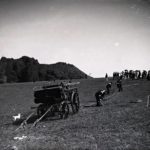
{"x": 122, "y": 123}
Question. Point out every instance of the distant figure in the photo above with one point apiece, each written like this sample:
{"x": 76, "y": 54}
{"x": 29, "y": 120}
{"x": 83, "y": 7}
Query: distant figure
{"x": 119, "y": 85}
{"x": 115, "y": 75}
{"x": 139, "y": 75}
{"x": 106, "y": 77}
{"x": 108, "y": 87}
{"x": 148, "y": 75}
{"x": 126, "y": 74}
{"x": 99, "y": 95}
{"x": 144, "y": 74}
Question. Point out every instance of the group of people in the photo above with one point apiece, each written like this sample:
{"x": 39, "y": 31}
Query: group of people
{"x": 99, "y": 95}
{"x": 132, "y": 74}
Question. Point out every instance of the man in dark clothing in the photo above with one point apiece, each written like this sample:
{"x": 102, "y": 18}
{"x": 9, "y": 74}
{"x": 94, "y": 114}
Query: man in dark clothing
{"x": 106, "y": 77}
{"x": 119, "y": 85}
{"x": 108, "y": 87}
{"x": 99, "y": 95}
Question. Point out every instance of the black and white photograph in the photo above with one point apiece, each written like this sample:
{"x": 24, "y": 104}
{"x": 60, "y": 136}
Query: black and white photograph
{"x": 74, "y": 74}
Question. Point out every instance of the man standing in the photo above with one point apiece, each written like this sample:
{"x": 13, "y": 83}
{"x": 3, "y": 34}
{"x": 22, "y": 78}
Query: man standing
{"x": 119, "y": 85}
{"x": 106, "y": 77}
{"x": 99, "y": 95}
{"x": 108, "y": 87}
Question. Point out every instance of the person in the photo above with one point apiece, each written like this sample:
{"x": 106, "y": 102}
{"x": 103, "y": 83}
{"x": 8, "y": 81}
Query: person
{"x": 106, "y": 77}
{"x": 108, "y": 87}
{"x": 99, "y": 95}
{"x": 119, "y": 85}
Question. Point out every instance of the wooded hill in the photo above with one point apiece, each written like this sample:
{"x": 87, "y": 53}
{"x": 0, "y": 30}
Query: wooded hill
{"x": 26, "y": 69}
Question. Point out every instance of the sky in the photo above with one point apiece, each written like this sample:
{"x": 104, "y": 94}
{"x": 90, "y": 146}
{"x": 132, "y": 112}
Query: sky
{"x": 97, "y": 36}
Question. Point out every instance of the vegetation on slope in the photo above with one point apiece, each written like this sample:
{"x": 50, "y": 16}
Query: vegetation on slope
{"x": 26, "y": 69}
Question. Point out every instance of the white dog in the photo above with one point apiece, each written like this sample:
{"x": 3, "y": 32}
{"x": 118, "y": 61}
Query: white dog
{"x": 15, "y": 118}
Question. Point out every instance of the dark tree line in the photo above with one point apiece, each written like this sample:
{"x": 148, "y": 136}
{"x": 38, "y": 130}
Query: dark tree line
{"x": 132, "y": 74}
{"x": 26, "y": 69}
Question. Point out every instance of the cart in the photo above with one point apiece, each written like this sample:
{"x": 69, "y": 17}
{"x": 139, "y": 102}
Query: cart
{"x": 57, "y": 98}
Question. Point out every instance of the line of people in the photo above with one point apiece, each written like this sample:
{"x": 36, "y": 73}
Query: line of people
{"x": 99, "y": 95}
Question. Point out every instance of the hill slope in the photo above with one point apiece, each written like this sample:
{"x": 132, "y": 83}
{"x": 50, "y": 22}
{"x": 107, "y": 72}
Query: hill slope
{"x": 121, "y": 124}
{"x": 26, "y": 69}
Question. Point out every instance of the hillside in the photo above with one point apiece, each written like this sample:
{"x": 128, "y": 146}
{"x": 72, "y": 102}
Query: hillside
{"x": 26, "y": 69}
{"x": 122, "y": 123}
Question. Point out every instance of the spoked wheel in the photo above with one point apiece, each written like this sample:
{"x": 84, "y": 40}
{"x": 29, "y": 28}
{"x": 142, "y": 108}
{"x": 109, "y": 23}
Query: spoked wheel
{"x": 41, "y": 110}
{"x": 75, "y": 103}
{"x": 64, "y": 110}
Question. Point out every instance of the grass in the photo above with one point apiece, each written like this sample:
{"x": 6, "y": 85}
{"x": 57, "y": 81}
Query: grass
{"x": 121, "y": 124}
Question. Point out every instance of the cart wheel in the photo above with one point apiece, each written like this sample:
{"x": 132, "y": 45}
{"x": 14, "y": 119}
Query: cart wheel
{"x": 41, "y": 110}
{"x": 64, "y": 110}
{"x": 53, "y": 110}
{"x": 75, "y": 103}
